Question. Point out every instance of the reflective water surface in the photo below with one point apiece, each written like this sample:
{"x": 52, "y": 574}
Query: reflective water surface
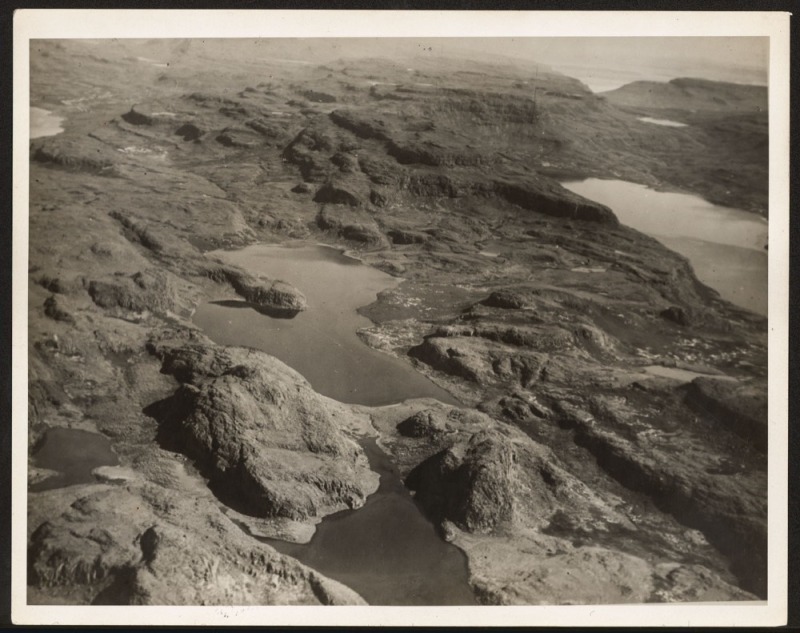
{"x": 725, "y": 246}
{"x": 74, "y": 454}
{"x": 321, "y": 342}
{"x": 387, "y": 551}
{"x": 44, "y": 123}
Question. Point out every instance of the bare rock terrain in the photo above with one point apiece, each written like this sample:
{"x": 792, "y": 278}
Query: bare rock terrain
{"x": 570, "y": 474}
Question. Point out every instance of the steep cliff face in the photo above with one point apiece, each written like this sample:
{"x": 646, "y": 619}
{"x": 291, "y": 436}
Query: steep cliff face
{"x": 572, "y": 473}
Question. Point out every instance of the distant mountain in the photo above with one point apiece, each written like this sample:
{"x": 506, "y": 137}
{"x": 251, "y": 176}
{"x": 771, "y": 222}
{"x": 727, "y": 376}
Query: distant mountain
{"x": 691, "y": 94}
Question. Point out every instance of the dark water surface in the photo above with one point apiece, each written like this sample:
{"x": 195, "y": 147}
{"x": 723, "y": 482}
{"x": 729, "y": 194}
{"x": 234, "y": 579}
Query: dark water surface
{"x": 387, "y": 551}
{"x": 321, "y": 342}
{"x": 74, "y": 454}
{"x": 725, "y": 246}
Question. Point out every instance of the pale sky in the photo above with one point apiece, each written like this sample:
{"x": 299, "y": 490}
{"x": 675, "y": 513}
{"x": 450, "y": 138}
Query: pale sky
{"x": 739, "y": 59}
{"x": 601, "y": 62}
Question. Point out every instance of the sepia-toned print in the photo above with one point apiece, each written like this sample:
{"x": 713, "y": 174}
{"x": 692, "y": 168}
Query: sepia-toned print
{"x": 398, "y": 321}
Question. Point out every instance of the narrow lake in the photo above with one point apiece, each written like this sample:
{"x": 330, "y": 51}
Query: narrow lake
{"x": 321, "y": 342}
{"x": 44, "y": 123}
{"x": 386, "y": 550}
{"x": 725, "y": 246}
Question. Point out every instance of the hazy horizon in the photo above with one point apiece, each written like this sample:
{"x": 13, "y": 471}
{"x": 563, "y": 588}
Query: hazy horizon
{"x": 602, "y": 63}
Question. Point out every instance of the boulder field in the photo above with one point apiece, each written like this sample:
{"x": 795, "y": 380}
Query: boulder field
{"x": 571, "y": 473}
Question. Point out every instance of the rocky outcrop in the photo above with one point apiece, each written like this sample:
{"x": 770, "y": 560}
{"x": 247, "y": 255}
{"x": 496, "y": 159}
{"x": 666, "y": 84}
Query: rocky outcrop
{"x": 690, "y": 485}
{"x": 55, "y": 309}
{"x": 317, "y": 96}
{"x": 263, "y": 293}
{"x": 433, "y": 154}
{"x": 691, "y": 94}
{"x": 678, "y": 315}
{"x": 350, "y": 225}
{"x": 736, "y": 407}
{"x": 332, "y": 194}
{"x": 135, "y": 117}
{"x": 543, "y": 338}
{"x": 269, "y": 130}
{"x": 148, "y": 290}
{"x": 234, "y": 137}
{"x": 489, "y": 108}
{"x": 140, "y": 232}
{"x": 469, "y": 485}
{"x": 403, "y": 237}
{"x": 163, "y": 552}
{"x": 307, "y": 150}
{"x": 551, "y": 199}
{"x": 362, "y": 124}
{"x": 506, "y": 299}
{"x": 189, "y": 132}
{"x": 425, "y": 423}
{"x": 73, "y": 156}
{"x": 269, "y": 445}
{"x": 496, "y": 481}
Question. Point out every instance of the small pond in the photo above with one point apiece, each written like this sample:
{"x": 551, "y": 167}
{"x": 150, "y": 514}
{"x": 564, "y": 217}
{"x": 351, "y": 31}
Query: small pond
{"x": 44, "y": 123}
{"x": 725, "y": 246}
{"x": 321, "y": 343}
{"x": 664, "y": 122}
{"x": 74, "y": 454}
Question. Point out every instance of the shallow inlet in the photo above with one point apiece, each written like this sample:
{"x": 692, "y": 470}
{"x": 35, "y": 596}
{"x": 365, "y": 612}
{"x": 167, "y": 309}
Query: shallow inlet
{"x": 74, "y": 454}
{"x": 321, "y": 343}
{"x": 725, "y": 246}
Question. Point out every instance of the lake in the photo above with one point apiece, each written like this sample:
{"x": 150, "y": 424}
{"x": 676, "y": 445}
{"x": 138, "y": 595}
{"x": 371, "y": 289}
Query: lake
{"x": 725, "y": 246}
{"x": 386, "y": 550}
{"x": 74, "y": 454}
{"x": 44, "y": 123}
{"x": 321, "y": 342}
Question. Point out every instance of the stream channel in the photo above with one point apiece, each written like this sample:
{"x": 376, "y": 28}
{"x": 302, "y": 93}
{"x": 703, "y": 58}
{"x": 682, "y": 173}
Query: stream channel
{"x": 387, "y": 550}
